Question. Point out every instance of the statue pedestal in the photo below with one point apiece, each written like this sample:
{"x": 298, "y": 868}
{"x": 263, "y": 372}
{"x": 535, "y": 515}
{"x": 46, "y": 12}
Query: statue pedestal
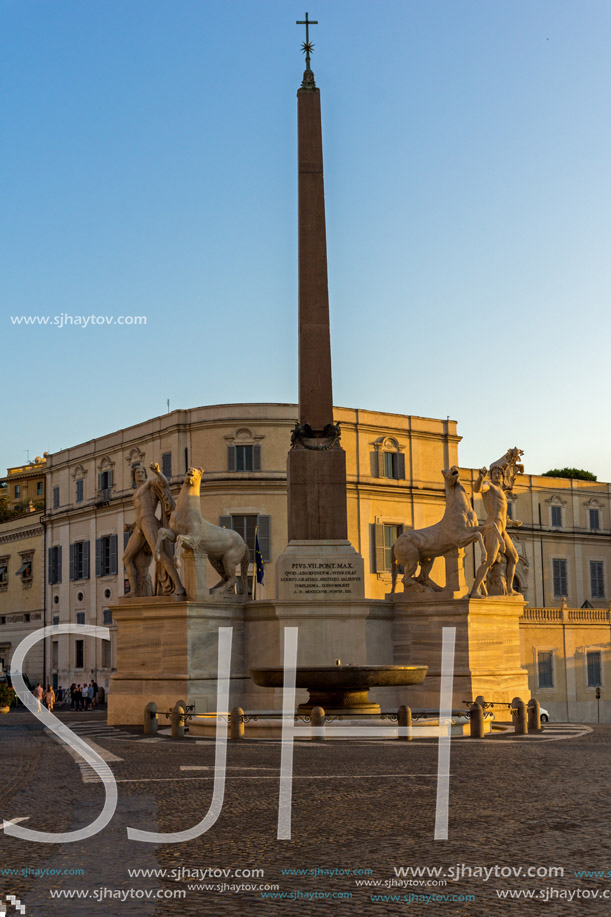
{"x": 167, "y": 650}
{"x": 487, "y": 658}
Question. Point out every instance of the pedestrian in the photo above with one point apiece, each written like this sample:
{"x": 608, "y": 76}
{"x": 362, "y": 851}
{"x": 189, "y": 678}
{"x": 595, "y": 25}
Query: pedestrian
{"x": 38, "y": 692}
{"x": 94, "y": 693}
{"x": 73, "y": 696}
{"x": 86, "y": 697}
{"x": 49, "y": 698}
{"x": 60, "y": 694}
{"x": 77, "y": 694}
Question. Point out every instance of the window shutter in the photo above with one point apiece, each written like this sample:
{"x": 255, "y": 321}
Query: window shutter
{"x": 225, "y": 522}
{"x": 113, "y": 554}
{"x": 98, "y": 557}
{"x": 401, "y": 466}
{"x": 380, "y": 462}
{"x": 72, "y": 550}
{"x": 230, "y": 458}
{"x": 166, "y": 464}
{"x": 379, "y": 547}
{"x": 264, "y": 534}
{"x": 58, "y": 574}
{"x": 111, "y": 476}
{"x": 257, "y": 460}
{"x": 100, "y": 480}
{"x": 85, "y": 560}
{"x": 50, "y": 565}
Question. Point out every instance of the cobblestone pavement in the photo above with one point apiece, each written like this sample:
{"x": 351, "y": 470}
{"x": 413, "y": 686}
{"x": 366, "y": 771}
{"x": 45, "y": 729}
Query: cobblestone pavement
{"x": 365, "y": 810}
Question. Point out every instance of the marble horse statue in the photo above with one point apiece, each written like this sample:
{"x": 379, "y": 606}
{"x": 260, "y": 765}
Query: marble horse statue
{"x": 458, "y": 528}
{"x": 225, "y": 548}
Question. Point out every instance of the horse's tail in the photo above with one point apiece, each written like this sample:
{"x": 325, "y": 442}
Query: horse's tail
{"x": 244, "y": 570}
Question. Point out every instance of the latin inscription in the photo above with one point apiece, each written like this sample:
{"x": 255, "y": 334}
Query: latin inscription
{"x": 321, "y": 578}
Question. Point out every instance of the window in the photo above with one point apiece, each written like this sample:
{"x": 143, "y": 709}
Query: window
{"x": 597, "y": 579}
{"x": 107, "y": 616}
{"x": 55, "y": 620}
{"x": 594, "y": 516}
{"x": 54, "y": 654}
{"x": 56, "y": 498}
{"x": 545, "y": 669}
{"x": 105, "y": 482}
{"x": 245, "y": 525}
{"x": 79, "y": 655}
{"x": 17, "y": 491}
{"x": 39, "y": 486}
{"x": 244, "y": 458}
{"x": 391, "y": 533}
{"x": 385, "y": 537}
{"x": 4, "y": 571}
{"x": 556, "y": 517}
{"x": 80, "y": 491}
{"x": 166, "y": 464}
{"x": 560, "y": 579}
{"x": 79, "y": 560}
{"x": 80, "y": 617}
{"x": 106, "y": 654}
{"x": 394, "y": 465}
{"x": 106, "y": 555}
{"x": 55, "y": 565}
{"x": 509, "y": 509}
{"x": 25, "y": 569}
{"x": 594, "y": 668}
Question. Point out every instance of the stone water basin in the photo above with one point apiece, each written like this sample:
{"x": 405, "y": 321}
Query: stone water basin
{"x": 342, "y": 689}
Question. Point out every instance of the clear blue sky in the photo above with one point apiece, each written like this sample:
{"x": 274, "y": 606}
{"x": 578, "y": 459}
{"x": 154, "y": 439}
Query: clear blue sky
{"x": 149, "y": 168}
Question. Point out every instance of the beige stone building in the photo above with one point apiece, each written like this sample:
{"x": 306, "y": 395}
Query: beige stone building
{"x": 25, "y": 484}
{"x": 22, "y": 586}
{"x": 566, "y": 652}
{"x": 393, "y": 464}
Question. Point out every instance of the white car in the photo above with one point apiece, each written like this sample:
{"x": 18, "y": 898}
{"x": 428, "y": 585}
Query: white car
{"x": 544, "y": 715}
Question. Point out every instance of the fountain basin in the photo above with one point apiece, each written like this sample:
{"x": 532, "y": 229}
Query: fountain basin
{"x": 342, "y": 688}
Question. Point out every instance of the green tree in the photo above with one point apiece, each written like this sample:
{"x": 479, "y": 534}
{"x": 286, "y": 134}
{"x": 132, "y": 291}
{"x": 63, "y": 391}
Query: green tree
{"x": 578, "y": 473}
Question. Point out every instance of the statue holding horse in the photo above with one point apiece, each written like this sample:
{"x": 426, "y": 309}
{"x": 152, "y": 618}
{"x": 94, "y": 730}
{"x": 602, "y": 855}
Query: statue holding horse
{"x": 458, "y": 528}
{"x": 225, "y": 548}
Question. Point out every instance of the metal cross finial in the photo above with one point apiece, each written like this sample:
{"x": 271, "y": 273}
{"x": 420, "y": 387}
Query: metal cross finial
{"x": 307, "y": 45}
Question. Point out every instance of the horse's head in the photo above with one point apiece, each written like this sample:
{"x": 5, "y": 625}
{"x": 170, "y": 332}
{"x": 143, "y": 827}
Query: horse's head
{"x": 193, "y": 478}
{"x": 450, "y": 476}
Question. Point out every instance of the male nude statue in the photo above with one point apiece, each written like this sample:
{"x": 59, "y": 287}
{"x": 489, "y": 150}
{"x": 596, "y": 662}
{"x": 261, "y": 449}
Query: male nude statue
{"x": 148, "y": 495}
{"x": 495, "y": 528}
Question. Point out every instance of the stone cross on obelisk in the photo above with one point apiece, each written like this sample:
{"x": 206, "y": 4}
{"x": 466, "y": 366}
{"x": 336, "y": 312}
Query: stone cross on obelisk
{"x": 316, "y": 467}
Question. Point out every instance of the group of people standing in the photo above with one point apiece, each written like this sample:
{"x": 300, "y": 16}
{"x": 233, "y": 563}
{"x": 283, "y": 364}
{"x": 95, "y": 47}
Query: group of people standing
{"x": 83, "y": 697}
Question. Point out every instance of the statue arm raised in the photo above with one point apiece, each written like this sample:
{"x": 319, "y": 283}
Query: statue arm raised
{"x": 154, "y": 466}
{"x": 479, "y": 481}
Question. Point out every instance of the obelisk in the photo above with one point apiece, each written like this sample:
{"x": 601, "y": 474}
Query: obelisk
{"x": 316, "y": 467}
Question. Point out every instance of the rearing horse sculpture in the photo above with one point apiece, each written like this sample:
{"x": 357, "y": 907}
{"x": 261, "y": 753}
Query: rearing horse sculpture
{"x": 225, "y": 548}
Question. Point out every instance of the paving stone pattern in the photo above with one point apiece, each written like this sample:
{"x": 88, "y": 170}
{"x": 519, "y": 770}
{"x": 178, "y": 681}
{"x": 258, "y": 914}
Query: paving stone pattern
{"x": 514, "y": 802}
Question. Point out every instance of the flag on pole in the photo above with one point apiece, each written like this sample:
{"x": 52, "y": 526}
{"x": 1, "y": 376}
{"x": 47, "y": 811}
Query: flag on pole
{"x": 259, "y": 565}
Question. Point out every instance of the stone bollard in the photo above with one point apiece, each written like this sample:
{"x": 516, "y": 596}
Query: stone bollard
{"x": 178, "y": 721}
{"x": 476, "y": 722}
{"x": 534, "y": 715}
{"x": 404, "y": 719}
{"x": 237, "y": 724}
{"x": 520, "y": 721}
{"x": 317, "y": 721}
{"x": 150, "y": 719}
